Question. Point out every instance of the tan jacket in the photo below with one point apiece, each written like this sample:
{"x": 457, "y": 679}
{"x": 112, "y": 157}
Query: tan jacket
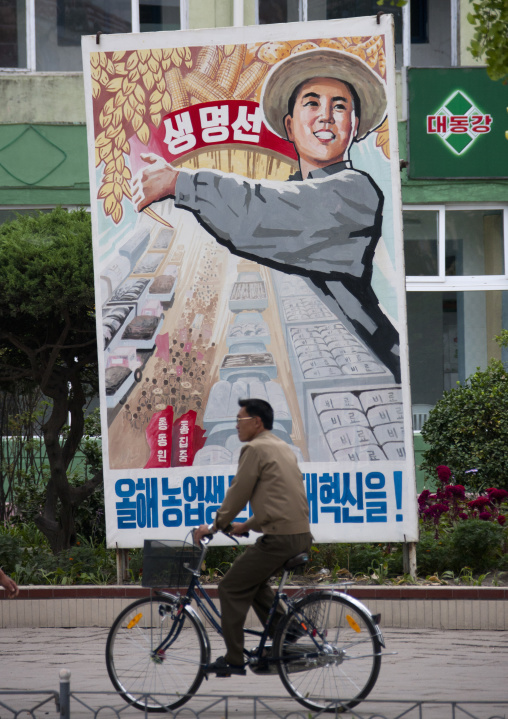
{"x": 268, "y": 476}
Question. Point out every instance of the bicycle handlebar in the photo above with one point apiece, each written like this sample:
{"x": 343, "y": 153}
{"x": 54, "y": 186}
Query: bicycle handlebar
{"x": 208, "y": 537}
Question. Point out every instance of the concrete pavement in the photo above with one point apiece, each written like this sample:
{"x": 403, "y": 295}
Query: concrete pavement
{"x": 429, "y": 665}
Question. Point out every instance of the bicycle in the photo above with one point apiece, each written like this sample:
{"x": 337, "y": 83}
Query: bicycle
{"x": 326, "y": 649}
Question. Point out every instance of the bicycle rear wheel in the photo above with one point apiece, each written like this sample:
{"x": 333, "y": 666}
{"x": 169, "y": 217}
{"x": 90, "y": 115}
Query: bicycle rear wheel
{"x": 330, "y": 652}
{"x": 147, "y": 678}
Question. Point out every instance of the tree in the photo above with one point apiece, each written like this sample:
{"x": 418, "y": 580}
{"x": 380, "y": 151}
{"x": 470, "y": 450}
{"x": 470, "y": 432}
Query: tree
{"x": 467, "y": 429}
{"x": 48, "y": 339}
{"x": 490, "y": 20}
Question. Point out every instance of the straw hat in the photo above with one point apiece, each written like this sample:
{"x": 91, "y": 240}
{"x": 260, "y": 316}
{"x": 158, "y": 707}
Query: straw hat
{"x": 287, "y": 74}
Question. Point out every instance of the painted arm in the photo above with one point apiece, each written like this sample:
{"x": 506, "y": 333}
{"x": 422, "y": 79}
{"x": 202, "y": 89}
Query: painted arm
{"x": 320, "y": 225}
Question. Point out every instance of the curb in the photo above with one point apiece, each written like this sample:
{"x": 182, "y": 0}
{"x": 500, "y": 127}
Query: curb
{"x": 410, "y": 607}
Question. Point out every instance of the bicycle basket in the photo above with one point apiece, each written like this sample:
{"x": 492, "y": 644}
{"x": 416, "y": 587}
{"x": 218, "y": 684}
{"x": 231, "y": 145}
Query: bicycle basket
{"x": 166, "y": 563}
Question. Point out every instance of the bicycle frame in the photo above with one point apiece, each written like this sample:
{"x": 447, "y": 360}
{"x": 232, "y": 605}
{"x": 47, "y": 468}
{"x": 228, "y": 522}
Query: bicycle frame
{"x": 197, "y": 592}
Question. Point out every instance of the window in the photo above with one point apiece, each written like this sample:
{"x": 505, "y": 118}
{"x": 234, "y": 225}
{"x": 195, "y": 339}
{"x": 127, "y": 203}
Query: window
{"x": 59, "y": 25}
{"x": 45, "y": 35}
{"x": 430, "y": 40}
{"x": 13, "y": 33}
{"x": 156, "y": 15}
{"x": 457, "y": 294}
{"x": 338, "y": 9}
{"x": 450, "y": 334}
{"x": 454, "y": 245}
{"x": 274, "y": 11}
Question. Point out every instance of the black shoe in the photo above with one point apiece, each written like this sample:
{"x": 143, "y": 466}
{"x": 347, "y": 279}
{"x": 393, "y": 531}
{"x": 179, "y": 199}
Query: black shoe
{"x": 222, "y": 668}
{"x": 294, "y": 633}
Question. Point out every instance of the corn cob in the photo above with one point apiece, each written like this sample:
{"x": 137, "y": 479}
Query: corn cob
{"x": 231, "y": 68}
{"x": 208, "y": 61}
{"x": 176, "y": 89}
{"x": 250, "y": 79}
{"x": 203, "y": 88}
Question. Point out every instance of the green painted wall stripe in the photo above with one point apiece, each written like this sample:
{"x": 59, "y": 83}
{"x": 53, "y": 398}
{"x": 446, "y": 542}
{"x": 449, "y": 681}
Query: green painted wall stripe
{"x": 45, "y": 164}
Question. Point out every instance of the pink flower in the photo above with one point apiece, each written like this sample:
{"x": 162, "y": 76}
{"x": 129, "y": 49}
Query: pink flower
{"x": 444, "y": 473}
{"x": 486, "y": 516}
{"x": 463, "y": 515}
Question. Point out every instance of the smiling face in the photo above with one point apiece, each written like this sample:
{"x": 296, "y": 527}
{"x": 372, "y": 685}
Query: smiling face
{"x": 323, "y": 124}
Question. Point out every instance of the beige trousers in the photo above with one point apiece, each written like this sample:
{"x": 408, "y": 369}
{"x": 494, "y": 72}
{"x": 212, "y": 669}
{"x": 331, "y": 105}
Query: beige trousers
{"x": 246, "y": 585}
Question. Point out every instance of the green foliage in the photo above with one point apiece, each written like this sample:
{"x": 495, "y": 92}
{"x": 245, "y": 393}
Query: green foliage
{"x": 91, "y": 443}
{"x": 11, "y": 551}
{"x": 219, "y": 559}
{"x": 46, "y": 269}
{"x": 476, "y": 544}
{"x": 490, "y": 21}
{"x": 357, "y": 559}
{"x": 26, "y": 556}
{"x": 467, "y": 429}
{"x": 48, "y": 344}
{"x": 433, "y": 554}
{"x": 30, "y": 495}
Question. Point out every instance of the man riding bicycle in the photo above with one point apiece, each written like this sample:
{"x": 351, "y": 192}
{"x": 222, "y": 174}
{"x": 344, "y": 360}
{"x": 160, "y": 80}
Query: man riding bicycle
{"x": 269, "y": 478}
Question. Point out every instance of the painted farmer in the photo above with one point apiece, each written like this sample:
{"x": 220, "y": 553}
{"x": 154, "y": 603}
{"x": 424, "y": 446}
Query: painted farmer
{"x": 325, "y": 223}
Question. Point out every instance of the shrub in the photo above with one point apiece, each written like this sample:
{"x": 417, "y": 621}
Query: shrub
{"x": 476, "y": 543}
{"x": 433, "y": 553}
{"x": 11, "y": 551}
{"x": 467, "y": 429}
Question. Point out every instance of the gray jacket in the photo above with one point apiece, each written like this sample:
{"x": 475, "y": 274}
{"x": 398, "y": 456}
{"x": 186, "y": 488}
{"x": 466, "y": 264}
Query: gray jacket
{"x": 324, "y": 228}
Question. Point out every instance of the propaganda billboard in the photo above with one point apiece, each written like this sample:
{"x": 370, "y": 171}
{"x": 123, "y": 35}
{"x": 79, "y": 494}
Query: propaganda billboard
{"x": 247, "y": 243}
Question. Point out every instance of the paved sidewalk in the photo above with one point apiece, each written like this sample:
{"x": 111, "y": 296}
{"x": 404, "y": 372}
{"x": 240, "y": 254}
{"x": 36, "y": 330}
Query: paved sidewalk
{"x": 429, "y": 665}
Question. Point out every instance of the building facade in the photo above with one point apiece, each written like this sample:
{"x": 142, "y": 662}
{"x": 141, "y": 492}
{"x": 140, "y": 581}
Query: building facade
{"x": 454, "y": 192}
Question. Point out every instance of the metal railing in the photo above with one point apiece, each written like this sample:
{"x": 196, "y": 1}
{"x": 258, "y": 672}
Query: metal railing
{"x": 18, "y": 704}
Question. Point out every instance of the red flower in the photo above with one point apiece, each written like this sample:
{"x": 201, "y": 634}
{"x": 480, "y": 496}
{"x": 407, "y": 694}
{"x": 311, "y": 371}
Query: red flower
{"x": 486, "y": 516}
{"x": 455, "y": 490}
{"x": 422, "y": 499}
{"x": 501, "y": 519}
{"x": 479, "y": 503}
{"x": 444, "y": 473}
{"x": 463, "y": 515}
{"x": 497, "y": 495}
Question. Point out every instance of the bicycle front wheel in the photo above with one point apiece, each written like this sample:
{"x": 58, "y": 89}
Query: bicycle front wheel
{"x": 330, "y": 652}
{"x": 150, "y": 673}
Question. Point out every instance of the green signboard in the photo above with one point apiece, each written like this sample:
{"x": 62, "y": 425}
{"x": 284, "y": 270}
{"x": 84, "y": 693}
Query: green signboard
{"x": 457, "y": 124}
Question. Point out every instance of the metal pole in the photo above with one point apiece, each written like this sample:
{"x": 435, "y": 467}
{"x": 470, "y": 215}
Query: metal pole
{"x": 122, "y": 565}
{"x": 65, "y": 693}
{"x": 409, "y": 559}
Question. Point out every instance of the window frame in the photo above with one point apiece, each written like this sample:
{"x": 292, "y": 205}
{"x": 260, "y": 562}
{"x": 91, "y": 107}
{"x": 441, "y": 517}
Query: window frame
{"x": 31, "y": 65}
{"x": 461, "y": 283}
{"x": 30, "y": 33}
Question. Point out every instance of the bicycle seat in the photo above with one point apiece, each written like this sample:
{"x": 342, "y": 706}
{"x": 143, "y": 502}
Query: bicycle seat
{"x": 297, "y": 561}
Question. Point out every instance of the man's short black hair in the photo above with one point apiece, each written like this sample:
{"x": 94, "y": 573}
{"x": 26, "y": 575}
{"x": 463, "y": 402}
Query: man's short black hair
{"x": 258, "y": 408}
{"x": 356, "y": 99}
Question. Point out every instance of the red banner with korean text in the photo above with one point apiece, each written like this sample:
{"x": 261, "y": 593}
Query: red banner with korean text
{"x": 212, "y": 123}
{"x": 173, "y": 445}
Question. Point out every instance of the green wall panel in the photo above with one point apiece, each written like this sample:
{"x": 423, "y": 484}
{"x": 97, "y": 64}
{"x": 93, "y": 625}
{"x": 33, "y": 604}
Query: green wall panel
{"x": 43, "y": 164}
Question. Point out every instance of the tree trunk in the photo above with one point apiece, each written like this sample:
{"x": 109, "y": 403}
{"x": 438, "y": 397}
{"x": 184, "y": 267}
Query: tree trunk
{"x": 57, "y": 521}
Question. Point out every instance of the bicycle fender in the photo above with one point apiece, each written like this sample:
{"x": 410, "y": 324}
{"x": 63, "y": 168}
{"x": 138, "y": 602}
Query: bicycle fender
{"x": 361, "y": 608}
{"x": 192, "y": 612}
